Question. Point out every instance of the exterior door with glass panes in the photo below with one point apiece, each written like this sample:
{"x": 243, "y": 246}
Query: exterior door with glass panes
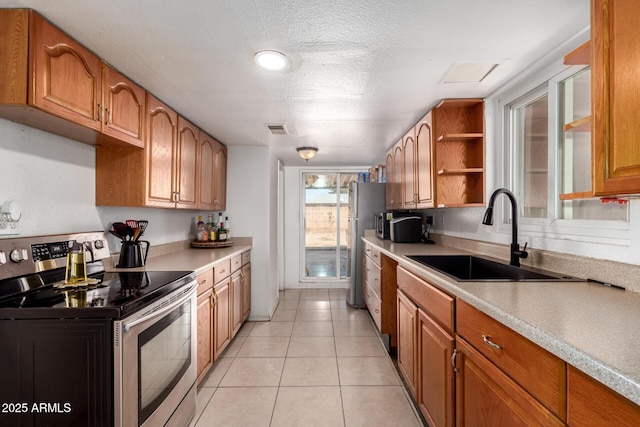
{"x": 325, "y": 212}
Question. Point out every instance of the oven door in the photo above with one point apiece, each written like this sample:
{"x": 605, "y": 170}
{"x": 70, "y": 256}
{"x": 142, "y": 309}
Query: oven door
{"x": 155, "y": 362}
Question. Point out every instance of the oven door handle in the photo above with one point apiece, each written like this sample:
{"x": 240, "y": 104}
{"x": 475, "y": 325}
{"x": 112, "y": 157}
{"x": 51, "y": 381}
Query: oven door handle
{"x": 188, "y": 294}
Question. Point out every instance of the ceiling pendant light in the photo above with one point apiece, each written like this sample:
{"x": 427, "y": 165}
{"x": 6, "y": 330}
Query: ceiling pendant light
{"x": 307, "y": 152}
{"x": 271, "y": 60}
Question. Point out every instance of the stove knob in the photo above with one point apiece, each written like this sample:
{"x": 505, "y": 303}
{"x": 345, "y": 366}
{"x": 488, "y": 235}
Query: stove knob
{"x": 3, "y": 258}
{"x": 19, "y": 255}
{"x": 99, "y": 244}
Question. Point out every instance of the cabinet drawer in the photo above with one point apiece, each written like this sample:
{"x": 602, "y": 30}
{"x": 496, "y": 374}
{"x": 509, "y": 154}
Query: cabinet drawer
{"x": 439, "y": 305}
{"x": 372, "y": 275}
{"x": 222, "y": 270}
{"x": 372, "y": 253}
{"x": 205, "y": 281}
{"x": 373, "y": 305}
{"x": 246, "y": 257}
{"x": 539, "y": 372}
{"x": 236, "y": 263}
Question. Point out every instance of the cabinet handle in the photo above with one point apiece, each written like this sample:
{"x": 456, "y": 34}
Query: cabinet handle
{"x": 453, "y": 360}
{"x": 177, "y": 196}
{"x": 377, "y": 311}
{"x": 211, "y": 302}
{"x": 99, "y": 112}
{"x": 487, "y": 341}
{"x": 108, "y": 115}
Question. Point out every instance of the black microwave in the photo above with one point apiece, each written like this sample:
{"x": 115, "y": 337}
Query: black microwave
{"x": 383, "y": 224}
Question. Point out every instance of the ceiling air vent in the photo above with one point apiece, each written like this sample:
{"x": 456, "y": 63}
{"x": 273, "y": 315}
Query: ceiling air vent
{"x": 277, "y": 128}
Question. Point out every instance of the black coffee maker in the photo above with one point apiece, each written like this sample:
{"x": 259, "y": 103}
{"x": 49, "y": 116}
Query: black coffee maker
{"x": 131, "y": 254}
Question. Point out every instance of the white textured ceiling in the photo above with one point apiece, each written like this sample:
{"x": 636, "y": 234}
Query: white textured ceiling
{"x": 362, "y": 71}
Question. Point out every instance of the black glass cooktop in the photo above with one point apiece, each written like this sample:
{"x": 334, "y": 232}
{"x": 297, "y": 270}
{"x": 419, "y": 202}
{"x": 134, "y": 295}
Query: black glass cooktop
{"x": 115, "y": 295}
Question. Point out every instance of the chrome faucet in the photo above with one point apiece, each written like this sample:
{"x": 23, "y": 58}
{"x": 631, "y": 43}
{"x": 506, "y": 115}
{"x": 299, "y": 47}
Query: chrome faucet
{"x": 516, "y": 253}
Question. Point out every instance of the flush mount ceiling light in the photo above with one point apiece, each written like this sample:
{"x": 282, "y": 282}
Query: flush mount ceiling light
{"x": 307, "y": 152}
{"x": 271, "y": 60}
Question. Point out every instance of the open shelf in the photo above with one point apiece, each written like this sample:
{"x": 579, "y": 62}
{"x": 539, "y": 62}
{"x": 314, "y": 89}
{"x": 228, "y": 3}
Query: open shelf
{"x": 579, "y": 56}
{"x": 460, "y": 137}
{"x": 580, "y": 125}
{"x": 460, "y": 171}
{"x": 459, "y": 152}
{"x": 577, "y": 195}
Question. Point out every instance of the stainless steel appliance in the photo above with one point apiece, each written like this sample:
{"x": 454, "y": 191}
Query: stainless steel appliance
{"x": 407, "y": 229}
{"x": 118, "y": 350}
{"x": 365, "y": 200}
{"x": 383, "y": 224}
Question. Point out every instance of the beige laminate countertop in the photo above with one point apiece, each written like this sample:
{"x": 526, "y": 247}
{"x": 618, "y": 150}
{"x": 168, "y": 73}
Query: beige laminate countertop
{"x": 187, "y": 259}
{"x": 590, "y": 326}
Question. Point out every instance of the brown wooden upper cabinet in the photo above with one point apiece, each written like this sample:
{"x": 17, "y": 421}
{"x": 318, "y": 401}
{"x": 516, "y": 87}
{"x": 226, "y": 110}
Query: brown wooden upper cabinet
{"x": 615, "y": 103}
{"x": 171, "y": 158}
{"x": 395, "y": 172}
{"x": 52, "y": 82}
{"x": 424, "y": 162}
{"x": 220, "y": 177}
{"x": 409, "y": 187}
{"x": 458, "y": 127}
{"x": 123, "y": 107}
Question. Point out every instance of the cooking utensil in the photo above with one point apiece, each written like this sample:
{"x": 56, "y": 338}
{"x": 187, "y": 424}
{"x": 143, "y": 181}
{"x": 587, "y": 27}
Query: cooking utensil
{"x": 133, "y": 225}
{"x": 121, "y": 229}
{"x": 142, "y": 226}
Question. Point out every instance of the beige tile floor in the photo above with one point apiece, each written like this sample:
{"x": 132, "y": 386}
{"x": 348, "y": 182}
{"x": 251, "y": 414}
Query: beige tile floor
{"x": 318, "y": 362}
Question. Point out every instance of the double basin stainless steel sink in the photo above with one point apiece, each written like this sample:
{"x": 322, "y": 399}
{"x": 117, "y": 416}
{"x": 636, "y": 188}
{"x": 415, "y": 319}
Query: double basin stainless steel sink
{"x": 467, "y": 268}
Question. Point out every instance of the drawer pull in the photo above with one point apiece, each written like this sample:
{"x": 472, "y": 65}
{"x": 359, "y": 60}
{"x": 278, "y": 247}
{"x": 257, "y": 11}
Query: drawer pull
{"x": 453, "y": 360}
{"x": 487, "y": 341}
{"x": 377, "y": 311}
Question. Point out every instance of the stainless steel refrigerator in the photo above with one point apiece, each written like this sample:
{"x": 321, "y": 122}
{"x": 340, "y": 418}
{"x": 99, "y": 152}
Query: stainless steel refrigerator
{"x": 366, "y": 199}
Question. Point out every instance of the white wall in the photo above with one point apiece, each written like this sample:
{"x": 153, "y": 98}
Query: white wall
{"x": 53, "y": 179}
{"x": 252, "y": 210}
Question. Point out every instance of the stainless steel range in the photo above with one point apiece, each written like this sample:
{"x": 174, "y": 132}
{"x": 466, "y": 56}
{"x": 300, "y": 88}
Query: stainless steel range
{"x": 118, "y": 349}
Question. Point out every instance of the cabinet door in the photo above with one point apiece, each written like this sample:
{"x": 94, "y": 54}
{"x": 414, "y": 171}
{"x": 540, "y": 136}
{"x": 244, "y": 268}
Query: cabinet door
{"x": 206, "y": 161}
{"x": 423, "y": 160}
{"x": 408, "y": 170}
{"x": 205, "y": 333}
{"x": 615, "y": 36}
{"x": 124, "y": 107}
{"x": 68, "y": 361}
{"x": 220, "y": 174}
{"x": 389, "y": 187}
{"x": 486, "y": 397}
{"x": 187, "y": 165}
{"x": 246, "y": 291}
{"x": 590, "y": 403}
{"x": 160, "y": 150}
{"x": 407, "y": 341}
{"x": 66, "y": 76}
{"x": 436, "y": 380}
{"x": 236, "y": 302}
{"x": 397, "y": 176}
{"x": 222, "y": 316}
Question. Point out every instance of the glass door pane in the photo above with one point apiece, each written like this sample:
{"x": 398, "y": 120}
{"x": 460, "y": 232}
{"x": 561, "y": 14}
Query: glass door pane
{"x": 326, "y": 197}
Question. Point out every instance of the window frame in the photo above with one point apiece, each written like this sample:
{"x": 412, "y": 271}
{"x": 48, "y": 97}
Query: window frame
{"x": 612, "y": 232}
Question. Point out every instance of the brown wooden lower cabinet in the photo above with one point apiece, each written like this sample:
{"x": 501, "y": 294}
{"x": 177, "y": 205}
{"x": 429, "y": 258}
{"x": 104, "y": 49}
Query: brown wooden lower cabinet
{"x": 407, "y": 342}
{"x": 246, "y": 290}
{"x": 222, "y": 316}
{"x": 487, "y": 397}
{"x": 236, "y": 302}
{"x": 436, "y": 378}
{"x": 592, "y": 404}
{"x": 205, "y": 333}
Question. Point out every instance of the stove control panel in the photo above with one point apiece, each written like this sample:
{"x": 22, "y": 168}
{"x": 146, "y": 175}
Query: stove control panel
{"x": 26, "y": 255}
